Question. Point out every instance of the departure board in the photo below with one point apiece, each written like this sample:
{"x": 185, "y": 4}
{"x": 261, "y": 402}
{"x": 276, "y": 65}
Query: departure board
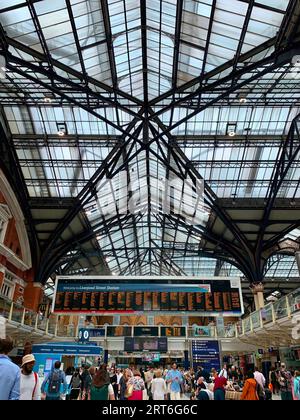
{"x": 141, "y": 344}
{"x": 92, "y": 294}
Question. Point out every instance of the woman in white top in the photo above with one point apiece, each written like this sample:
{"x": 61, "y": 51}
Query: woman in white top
{"x": 158, "y": 386}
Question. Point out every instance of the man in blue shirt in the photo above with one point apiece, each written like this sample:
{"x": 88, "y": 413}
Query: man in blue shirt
{"x": 54, "y": 380}
{"x": 9, "y": 373}
{"x": 174, "y": 377}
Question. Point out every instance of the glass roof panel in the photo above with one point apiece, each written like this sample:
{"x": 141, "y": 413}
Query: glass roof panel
{"x": 207, "y": 37}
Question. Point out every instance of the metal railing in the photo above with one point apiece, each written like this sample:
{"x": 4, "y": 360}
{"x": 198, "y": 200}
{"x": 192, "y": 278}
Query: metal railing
{"x": 285, "y": 307}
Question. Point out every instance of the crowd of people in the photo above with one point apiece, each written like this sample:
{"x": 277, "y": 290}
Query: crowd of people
{"x": 113, "y": 383}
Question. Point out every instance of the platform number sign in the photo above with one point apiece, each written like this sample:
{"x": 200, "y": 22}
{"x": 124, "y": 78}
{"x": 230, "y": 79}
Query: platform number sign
{"x": 84, "y": 335}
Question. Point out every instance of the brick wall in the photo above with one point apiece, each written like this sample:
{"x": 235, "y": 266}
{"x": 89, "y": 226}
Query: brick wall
{"x": 33, "y": 295}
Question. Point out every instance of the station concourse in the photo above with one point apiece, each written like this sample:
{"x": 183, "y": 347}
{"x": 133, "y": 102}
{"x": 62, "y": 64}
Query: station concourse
{"x": 150, "y": 199}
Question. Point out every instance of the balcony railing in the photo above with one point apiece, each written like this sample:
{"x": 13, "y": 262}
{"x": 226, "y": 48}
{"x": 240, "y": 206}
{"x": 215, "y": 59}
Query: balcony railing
{"x": 285, "y": 307}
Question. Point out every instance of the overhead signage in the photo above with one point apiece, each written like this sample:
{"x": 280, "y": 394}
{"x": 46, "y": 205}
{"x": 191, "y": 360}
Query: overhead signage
{"x": 145, "y": 331}
{"x": 141, "y": 344}
{"x": 75, "y": 350}
{"x": 206, "y": 353}
{"x": 172, "y": 331}
{"x": 86, "y": 333}
{"x": 97, "y": 294}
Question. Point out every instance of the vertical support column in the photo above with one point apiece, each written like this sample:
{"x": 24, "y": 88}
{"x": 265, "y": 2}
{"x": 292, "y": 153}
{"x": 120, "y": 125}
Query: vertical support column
{"x": 105, "y": 356}
{"x": 47, "y": 326}
{"x": 288, "y": 308}
{"x": 186, "y": 360}
{"x": 256, "y": 301}
{"x": 258, "y": 293}
{"x": 273, "y": 314}
{"x": 11, "y": 311}
{"x": 36, "y": 321}
{"x": 56, "y": 326}
{"x": 77, "y": 329}
{"x": 236, "y": 331}
{"x": 23, "y": 316}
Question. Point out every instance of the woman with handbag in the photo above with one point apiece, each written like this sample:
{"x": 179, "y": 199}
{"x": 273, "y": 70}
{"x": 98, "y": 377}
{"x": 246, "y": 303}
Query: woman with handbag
{"x": 135, "y": 387}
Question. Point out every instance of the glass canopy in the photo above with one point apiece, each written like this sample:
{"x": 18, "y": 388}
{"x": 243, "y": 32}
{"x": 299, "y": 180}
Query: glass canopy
{"x": 99, "y": 95}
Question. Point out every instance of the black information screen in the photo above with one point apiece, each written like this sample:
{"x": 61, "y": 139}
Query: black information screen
{"x": 152, "y": 344}
{"x": 222, "y": 298}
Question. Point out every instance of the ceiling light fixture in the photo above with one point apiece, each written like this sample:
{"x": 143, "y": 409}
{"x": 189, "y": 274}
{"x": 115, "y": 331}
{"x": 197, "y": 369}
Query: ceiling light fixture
{"x": 243, "y": 100}
{"x": 61, "y": 129}
{"x": 231, "y": 129}
{"x": 47, "y": 100}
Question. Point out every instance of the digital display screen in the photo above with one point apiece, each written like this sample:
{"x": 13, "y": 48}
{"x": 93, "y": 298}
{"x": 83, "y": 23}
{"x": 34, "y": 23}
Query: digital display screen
{"x": 93, "y": 295}
{"x": 139, "y": 344}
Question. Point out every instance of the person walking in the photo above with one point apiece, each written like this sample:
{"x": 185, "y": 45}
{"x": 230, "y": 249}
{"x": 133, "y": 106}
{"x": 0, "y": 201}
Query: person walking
{"x": 203, "y": 393}
{"x": 149, "y": 375}
{"x": 75, "y": 385}
{"x": 158, "y": 386}
{"x": 250, "y": 388}
{"x": 261, "y": 382}
{"x": 224, "y": 372}
{"x": 296, "y": 386}
{"x": 29, "y": 384}
{"x": 138, "y": 385}
{"x": 219, "y": 387}
{"x": 273, "y": 380}
{"x": 51, "y": 386}
{"x": 123, "y": 383}
{"x": 286, "y": 383}
{"x": 175, "y": 379}
{"x": 119, "y": 376}
{"x": 9, "y": 372}
{"x": 114, "y": 380}
{"x": 86, "y": 381}
{"x": 101, "y": 388}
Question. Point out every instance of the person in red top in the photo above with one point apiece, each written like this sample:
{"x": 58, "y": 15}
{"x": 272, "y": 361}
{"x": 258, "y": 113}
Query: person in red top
{"x": 219, "y": 387}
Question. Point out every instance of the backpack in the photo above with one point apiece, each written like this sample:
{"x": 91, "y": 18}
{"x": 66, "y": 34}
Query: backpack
{"x": 76, "y": 382}
{"x": 273, "y": 377}
{"x": 260, "y": 392}
{"x": 54, "y": 383}
{"x": 99, "y": 394}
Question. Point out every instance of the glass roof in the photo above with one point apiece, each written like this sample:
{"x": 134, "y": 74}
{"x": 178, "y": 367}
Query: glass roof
{"x": 98, "y": 95}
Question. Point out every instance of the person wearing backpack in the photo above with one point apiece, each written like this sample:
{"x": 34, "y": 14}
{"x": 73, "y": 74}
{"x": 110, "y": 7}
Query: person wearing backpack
{"x": 75, "y": 385}
{"x": 54, "y": 380}
{"x": 101, "y": 388}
